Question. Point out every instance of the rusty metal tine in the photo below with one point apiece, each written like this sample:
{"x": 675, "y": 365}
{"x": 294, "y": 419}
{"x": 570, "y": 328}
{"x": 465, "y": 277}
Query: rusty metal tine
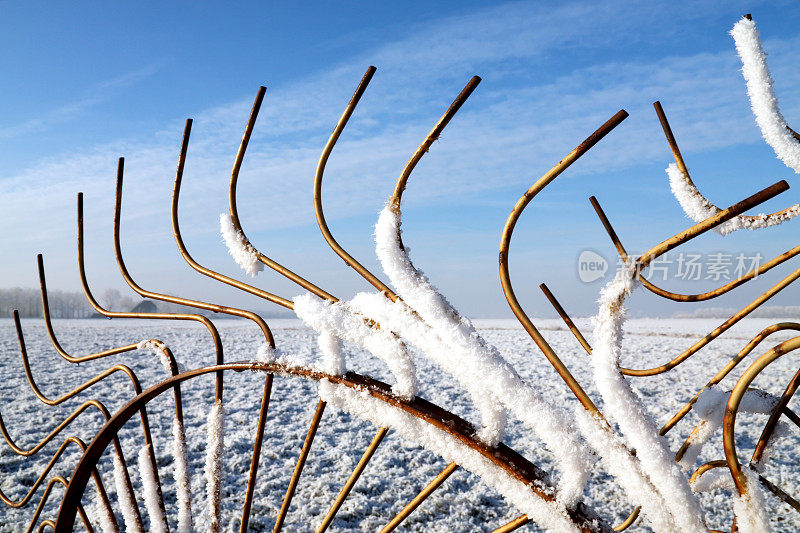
{"x": 137, "y": 389}
{"x": 234, "y": 212}
{"x": 566, "y": 318}
{"x": 419, "y": 498}
{"x": 719, "y": 291}
{"x": 323, "y": 159}
{"x": 713, "y": 221}
{"x": 729, "y": 422}
{"x": 173, "y": 299}
{"x": 351, "y": 481}
{"x": 772, "y": 422}
{"x": 253, "y": 474}
{"x": 48, "y": 489}
{"x": 51, "y": 332}
{"x": 60, "y": 427}
{"x": 719, "y": 330}
{"x": 176, "y": 231}
{"x": 673, "y": 144}
{"x": 513, "y": 525}
{"x": 431, "y": 138}
{"x": 609, "y": 229}
{"x": 505, "y": 243}
{"x": 159, "y": 316}
{"x": 298, "y": 469}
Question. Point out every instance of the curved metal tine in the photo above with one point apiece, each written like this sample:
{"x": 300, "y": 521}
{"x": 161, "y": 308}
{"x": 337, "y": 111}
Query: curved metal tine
{"x": 419, "y": 498}
{"x": 719, "y": 330}
{"x": 772, "y": 422}
{"x": 176, "y": 231}
{"x": 731, "y": 410}
{"x": 676, "y": 153}
{"x": 298, "y": 469}
{"x": 237, "y": 165}
{"x": 56, "y": 479}
{"x": 713, "y": 221}
{"x": 423, "y": 148}
{"x": 505, "y": 243}
{"x": 688, "y": 234}
{"x": 16, "y": 504}
{"x": 323, "y": 159}
{"x": 719, "y": 291}
{"x": 730, "y": 365}
{"x": 51, "y": 332}
{"x": 159, "y": 316}
{"x": 566, "y": 318}
{"x": 137, "y": 389}
{"x": 351, "y": 481}
{"x": 164, "y": 297}
{"x": 60, "y": 427}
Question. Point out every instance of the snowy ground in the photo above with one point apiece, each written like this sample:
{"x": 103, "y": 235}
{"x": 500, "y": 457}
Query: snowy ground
{"x": 399, "y": 469}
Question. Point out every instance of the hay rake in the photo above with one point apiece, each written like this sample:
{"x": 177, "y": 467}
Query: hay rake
{"x": 453, "y": 430}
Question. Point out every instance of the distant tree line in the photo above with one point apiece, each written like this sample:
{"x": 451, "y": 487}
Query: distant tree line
{"x": 65, "y": 304}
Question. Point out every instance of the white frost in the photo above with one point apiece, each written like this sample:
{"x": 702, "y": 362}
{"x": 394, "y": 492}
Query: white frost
{"x": 623, "y": 405}
{"x": 426, "y": 318}
{"x": 239, "y": 247}
{"x": 126, "y": 499}
{"x": 551, "y": 515}
{"x": 215, "y": 432}
{"x": 762, "y": 96}
{"x": 158, "y": 522}
{"x": 698, "y": 207}
{"x": 103, "y": 515}
{"x": 750, "y": 508}
{"x": 183, "y": 483}
{"x": 339, "y": 320}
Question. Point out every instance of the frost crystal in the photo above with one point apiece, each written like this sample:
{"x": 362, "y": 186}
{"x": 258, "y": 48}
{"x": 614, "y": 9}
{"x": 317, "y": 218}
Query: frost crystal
{"x": 158, "y": 522}
{"x": 215, "y": 431}
{"x": 239, "y": 247}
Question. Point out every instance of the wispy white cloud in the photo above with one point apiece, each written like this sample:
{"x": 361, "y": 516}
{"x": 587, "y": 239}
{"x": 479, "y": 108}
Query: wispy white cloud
{"x": 520, "y": 121}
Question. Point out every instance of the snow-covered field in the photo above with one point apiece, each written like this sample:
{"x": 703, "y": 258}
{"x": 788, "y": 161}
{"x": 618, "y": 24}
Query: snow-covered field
{"x": 399, "y": 469}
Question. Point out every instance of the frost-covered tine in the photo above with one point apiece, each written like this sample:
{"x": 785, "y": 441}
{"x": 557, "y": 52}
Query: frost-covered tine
{"x": 183, "y": 482}
{"x": 298, "y": 469}
{"x": 153, "y": 500}
{"x": 239, "y": 247}
{"x": 351, "y": 481}
{"x": 236, "y": 224}
{"x": 566, "y": 318}
{"x": 417, "y": 500}
{"x": 763, "y": 101}
{"x": 215, "y": 433}
{"x": 259, "y": 438}
{"x": 125, "y": 497}
{"x": 505, "y": 243}
{"x": 697, "y": 207}
{"x": 713, "y": 221}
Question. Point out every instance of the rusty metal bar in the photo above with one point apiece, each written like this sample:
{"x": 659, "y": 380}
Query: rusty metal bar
{"x": 701, "y": 297}
{"x": 505, "y": 243}
{"x": 676, "y": 153}
{"x": 323, "y": 159}
{"x": 351, "y": 481}
{"x": 237, "y": 165}
{"x": 158, "y": 316}
{"x": 713, "y": 221}
{"x": 432, "y": 137}
{"x": 566, "y": 318}
{"x": 419, "y": 498}
{"x": 502, "y": 456}
{"x": 729, "y": 422}
{"x": 259, "y": 438}
{"x": 298, "y": 469}
{"x": 48, "y": 489}
{"x": 772, "y": 422}
{"x": 176, "y": 231}
{"x": 513, "y": 525}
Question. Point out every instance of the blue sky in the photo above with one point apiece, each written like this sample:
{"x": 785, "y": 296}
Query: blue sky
{"x": 86, "y": 83}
